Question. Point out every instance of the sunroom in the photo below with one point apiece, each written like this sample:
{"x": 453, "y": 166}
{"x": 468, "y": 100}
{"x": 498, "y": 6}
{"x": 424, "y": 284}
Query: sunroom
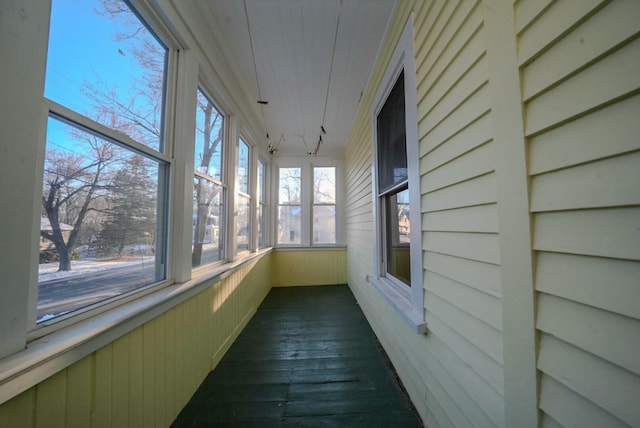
{"x": 469, "y": 169}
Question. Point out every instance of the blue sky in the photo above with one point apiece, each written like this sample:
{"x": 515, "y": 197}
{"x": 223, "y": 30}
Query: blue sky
{"x": 83, "y": 49}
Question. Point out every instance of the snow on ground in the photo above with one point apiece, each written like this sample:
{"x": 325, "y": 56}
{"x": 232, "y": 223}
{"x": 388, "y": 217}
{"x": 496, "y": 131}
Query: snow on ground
{"x": 49, "y": 271}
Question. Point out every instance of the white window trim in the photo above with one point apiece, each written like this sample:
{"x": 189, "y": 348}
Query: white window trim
{"x": 306, "y": 174}
{"x": 408, "y": 303}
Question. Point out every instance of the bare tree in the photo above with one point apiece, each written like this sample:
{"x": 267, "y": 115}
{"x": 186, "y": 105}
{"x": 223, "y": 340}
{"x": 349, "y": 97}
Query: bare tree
{"x": 71, "y": 185}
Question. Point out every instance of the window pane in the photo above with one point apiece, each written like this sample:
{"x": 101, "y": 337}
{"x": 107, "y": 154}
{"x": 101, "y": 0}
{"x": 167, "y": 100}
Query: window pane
{"x": 243, "y": 167}
{"x": 243, "y": 225}
{"x": 101, "y": 221}
{"x": 208, "y": 222}
{"x": 398, "y": 231}
{"x": 209, "y": 138}
{"x": 290, "y": 186}
{"x": 262, "y": 219}
{"x": 392, "y": 144}
{"x": 289, "y": 224}
{"x": 324, "y": 224}
{"x": 324, "y": 185}
{"x": 103, "y": 62}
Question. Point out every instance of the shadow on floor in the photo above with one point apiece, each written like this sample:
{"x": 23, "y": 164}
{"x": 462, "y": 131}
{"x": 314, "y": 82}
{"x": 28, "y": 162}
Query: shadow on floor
{"x": 308, "y": 358}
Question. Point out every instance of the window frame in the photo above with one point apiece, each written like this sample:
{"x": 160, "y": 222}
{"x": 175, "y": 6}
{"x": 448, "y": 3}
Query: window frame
{"x": 307, "y": 166}
{"x": 162, "y": 154}
{"x": 324, "y": 204}
{"x": 223, "y": 181}
{"x": 407, "y": 301}
{"x": 262, "y": 204}
{"x": 249, "y": 194}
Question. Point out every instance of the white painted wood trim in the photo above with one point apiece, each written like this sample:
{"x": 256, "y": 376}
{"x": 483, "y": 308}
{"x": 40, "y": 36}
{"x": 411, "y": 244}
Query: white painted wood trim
{"x": 519, "y": 339}
{"x": 402, "y": 59}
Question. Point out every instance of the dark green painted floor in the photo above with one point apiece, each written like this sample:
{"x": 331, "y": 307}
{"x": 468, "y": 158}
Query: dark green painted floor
{"x": 308, "y": 358}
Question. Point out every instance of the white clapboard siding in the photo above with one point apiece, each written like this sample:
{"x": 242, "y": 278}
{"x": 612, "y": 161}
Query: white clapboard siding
{"x": 528, "y": 11}
{"x": 478, "y": 218}
{"x": 483, "y": 336}
{"x": 475, "y": 163}
{"x": 481, "y": 276}
{"x": 609, "y": 182}
{"x": 583, "y": 46}
{"x": 476, "y": 133}
{"x": 477, "y": 191}
{"x": 611, "y": 387}
{"x": 603, "y": 333}
{"x": 585, "y": 91}
{"x": 610, "y": 131}
{"x": 588, "y": 280}
{"x": 613, "y": 233}
{"x": 581, "y": 76}
{"x": 552, "y": 25}
{"x": 571, "y": 409}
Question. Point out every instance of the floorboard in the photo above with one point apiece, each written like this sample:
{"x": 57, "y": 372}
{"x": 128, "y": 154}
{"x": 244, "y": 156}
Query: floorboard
{"x": 307, "y": 358}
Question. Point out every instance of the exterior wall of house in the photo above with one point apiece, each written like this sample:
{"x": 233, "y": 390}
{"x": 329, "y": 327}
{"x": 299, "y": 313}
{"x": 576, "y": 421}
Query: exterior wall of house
{"x": 580, "y": 67}
{"x": 145, "y": 377}
{"x": 528, "y": 134}
{"x": 301, "y": 266}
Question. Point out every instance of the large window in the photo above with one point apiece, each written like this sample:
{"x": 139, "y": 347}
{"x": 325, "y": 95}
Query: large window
{"x": 243, "y": 223}
{"x": 104, "y": 191}
{"x": 324, "y": 205}
{"x": 396, "y": 186}
{"x": 290, "y": 206}
{"x": 209, "y": 190}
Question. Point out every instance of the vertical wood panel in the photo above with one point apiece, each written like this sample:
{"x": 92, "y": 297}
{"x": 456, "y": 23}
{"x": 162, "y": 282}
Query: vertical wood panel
{"x": 51, "y": 401}
{"x": 18, "y": 413}
{"x": 120, "y": 382}
{"x": 79, "y": 392}
{"x": 136, "y": 373}
{"x": 148, "y": 374}
{"x": 101, "y": 417}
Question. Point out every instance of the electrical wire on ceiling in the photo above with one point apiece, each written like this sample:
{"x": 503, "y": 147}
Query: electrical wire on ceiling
{"x": 326, "y": 98}
{"x": 271, "y": 148}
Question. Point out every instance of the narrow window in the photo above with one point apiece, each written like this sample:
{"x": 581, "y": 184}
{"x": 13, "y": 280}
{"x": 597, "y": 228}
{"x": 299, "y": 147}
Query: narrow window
{"x": 243, "y": 223}
{"x": 396, "y": 186}
{"x": 393, "y": 185}
{"x": 104, "y": 192}
{"x": 324, "y": 205}
{"x": 262, "y": 205}
{"x": 209, "y": 185}
{"x": 289, "y": 206}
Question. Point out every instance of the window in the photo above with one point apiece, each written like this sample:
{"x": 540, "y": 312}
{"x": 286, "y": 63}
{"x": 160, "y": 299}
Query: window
{"x": 262, "y": 204}
{"x": 243, "y": 223}
{"x": 393, "y": 185}
{"x": 209, "y": 190}
{"x": 396, "y": 186}
{"x": 324, "y": 205}
{"x": 104, "y": 191}
{"x": 289, "y": 206}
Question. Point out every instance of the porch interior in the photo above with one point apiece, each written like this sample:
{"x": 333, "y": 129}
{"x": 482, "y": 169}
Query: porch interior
{"x": 308, "y": 357}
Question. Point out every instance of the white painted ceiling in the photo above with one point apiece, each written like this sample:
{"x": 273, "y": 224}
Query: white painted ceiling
{"x": 298, "y": 69}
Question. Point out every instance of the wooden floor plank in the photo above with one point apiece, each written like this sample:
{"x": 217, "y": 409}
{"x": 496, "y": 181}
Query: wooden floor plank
{"x": 308, "y": 358}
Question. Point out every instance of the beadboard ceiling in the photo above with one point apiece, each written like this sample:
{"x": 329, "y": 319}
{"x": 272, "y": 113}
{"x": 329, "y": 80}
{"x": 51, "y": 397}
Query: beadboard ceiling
{"x": 299, "y": 70}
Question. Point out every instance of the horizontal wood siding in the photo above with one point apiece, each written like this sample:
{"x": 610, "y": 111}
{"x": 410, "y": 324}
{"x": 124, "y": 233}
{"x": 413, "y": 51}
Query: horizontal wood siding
{"x": 580, "y": 65}
{"x": 454, "y": 374}
{"x": 144, "y": 379}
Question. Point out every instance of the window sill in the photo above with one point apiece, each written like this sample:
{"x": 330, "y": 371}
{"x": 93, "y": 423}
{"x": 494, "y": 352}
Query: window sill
{"x": 400, "y": 303}
{"x": 49, "y": 354}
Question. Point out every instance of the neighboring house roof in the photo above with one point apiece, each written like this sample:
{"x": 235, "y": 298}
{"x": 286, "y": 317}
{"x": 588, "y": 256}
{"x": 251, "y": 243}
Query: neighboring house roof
{"x": 45, "y": 225}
